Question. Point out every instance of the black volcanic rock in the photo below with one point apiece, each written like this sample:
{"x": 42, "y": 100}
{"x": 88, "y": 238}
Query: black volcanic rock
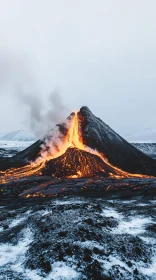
{"x": 98, "y": 135}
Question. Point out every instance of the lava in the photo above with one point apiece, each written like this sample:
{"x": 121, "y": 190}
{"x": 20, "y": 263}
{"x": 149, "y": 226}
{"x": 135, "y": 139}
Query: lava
{"x": 70, "y": 159}
{"x": 76, "y": 163}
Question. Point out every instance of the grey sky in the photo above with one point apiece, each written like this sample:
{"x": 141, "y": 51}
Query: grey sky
{"x": 94, "y": 52}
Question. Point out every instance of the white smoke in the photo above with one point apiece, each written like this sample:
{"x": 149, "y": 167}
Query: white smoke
{"x": 42, "y": 117}
{"x": 17, "y": 81}
{"x": 56, "y": 141}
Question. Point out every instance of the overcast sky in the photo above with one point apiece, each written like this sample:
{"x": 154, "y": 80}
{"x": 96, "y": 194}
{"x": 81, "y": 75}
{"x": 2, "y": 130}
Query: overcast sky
{"x": 99, "y": 53}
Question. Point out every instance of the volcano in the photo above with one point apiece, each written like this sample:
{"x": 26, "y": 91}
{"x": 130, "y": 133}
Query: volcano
{"x": 82, "y": 146}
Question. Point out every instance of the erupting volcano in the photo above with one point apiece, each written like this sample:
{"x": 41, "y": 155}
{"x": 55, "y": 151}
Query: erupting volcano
{"x": 82, "y": 146}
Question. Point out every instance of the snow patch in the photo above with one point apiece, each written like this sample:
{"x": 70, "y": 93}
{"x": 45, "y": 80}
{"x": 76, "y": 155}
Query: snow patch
{"x": 67, "y": 202}
{"x": 16, "y": 221}
{"x": 111, "y": 212}
{"x": 142, "y": 204}
{"x": 89, "y": 244}
{"x": 148, "y": 240}
{"x": 128, "y": 201}
{"x": 20, "y": 218}
{"x": 114, "y": 261}
{"x": 15, "y": 145}
{"x": 153, "y": 201}
{"x": 14, "y": 254}
{"x": 63, "y": 272}
{"x": 134, "y": 226}
{"x": 149, "y": 270}
{"x": 60, "y": 271}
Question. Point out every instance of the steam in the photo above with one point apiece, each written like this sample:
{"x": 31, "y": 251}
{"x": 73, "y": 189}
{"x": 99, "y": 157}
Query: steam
{"x": 56, "y": 142}
{"x": 17, "y": 80}
{"x": 42, "y": 117}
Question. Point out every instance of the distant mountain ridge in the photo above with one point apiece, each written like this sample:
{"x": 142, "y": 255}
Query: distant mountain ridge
{"x": 2, "y": 134}
{"x": 147, "y": 148}
{"x": 18, "y": 135}
{"x": 147, "y": 135}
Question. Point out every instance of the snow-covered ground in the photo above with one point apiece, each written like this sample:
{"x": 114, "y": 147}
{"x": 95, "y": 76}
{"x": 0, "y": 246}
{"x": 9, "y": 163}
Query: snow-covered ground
{"x": 10, "y": 148}
{"x": 93, "y": 238}
{"x": 19, "y": 145}
{"x": 14, "y": 142}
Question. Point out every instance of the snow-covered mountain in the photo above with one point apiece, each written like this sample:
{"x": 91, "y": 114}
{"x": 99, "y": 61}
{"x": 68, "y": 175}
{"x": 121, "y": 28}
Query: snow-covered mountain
{"x": 18, "y": 135}
{"x": 2, "y": 134}
{"x": 147, "y": 148}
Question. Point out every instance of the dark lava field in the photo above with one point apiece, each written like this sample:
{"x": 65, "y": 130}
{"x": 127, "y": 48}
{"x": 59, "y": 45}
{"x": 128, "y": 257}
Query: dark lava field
{"x": 78, "y": 229}
{"x": 76, "y": 237}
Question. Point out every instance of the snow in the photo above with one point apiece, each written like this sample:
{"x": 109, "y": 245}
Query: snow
{"x": 114, "y": 261}
{"x": 128, "y": 201}
{"x": 19, "y": 145}
{"x": 2, "y": 134}
{"x": 16, "y": 222}
{"x": 89, "y": 244}
{"x": 147, "y": 148}
{"x": 66, "y": 202}
{"x": 148, "y": 240}
{"x": 142, "y": 204}
{"x": 153, "y": 201}
{"x": 19, "y": 219}
{"x": 18, "y": 135}
{"x": 15, "y": 141}
{"x": 110, "y": 212}
{"x": 63, "y": 272}
{"x": 149, "y": 270}
{"x": 14, "y": 254}
{"x": 134, "y": 226}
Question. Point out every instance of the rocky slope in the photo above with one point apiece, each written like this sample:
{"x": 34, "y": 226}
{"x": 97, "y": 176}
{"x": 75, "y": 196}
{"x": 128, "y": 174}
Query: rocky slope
{"x": 97, "y": 135}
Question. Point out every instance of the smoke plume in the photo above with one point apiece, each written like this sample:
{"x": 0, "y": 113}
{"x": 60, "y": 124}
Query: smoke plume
{"x": 17, "y": 81}
{"x": 43, "y": 116}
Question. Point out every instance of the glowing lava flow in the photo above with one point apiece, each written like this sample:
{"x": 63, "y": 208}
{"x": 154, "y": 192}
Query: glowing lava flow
{"x": 21, "y": 172}
{"x": 72, "y": 139}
